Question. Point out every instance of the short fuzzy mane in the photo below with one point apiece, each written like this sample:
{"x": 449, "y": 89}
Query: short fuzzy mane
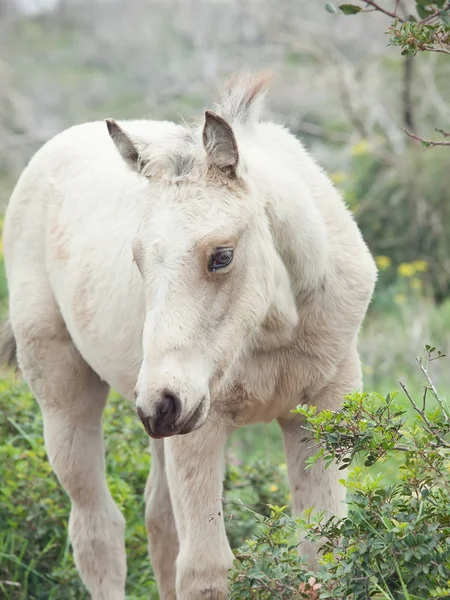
{"x": 240, "y": 103}
{"x": 242, "y": 98}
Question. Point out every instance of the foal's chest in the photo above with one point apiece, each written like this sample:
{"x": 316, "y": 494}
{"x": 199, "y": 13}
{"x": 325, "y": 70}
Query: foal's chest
{"x": 266, "y": 389}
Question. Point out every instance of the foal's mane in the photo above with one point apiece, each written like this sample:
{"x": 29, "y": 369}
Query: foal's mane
{"x": 240, "y": 103}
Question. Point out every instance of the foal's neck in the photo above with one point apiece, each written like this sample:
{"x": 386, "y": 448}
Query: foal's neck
{"x": 300, "y": 237}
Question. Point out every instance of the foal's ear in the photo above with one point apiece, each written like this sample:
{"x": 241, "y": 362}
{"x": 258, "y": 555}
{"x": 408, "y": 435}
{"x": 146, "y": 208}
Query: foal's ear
{"x": 124, "y": 144}
{"x": 220, "y": 144}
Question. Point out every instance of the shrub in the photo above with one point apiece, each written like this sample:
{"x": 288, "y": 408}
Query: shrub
{"x": 394, "y": 543}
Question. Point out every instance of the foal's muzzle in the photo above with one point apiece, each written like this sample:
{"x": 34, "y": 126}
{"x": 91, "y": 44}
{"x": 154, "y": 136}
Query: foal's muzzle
{"x": 166, "y": 422}
{"x": 172, "y": 393}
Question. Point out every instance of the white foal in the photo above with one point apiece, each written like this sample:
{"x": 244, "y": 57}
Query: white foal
{"x": 212, "y": 275}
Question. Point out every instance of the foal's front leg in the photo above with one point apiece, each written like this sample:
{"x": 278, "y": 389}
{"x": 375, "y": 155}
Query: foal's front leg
{"x": 160, "y": 523}
{"x": 316, "y": 486}
{"x": 195, "y": 465}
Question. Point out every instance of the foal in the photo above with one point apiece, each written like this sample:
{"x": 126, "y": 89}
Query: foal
{"x": 211, "y": 274}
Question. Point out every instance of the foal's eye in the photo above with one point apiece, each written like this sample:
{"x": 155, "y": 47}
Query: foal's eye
{"x": 221, "y": 258}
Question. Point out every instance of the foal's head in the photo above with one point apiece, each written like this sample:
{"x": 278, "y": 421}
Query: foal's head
{"x": 214, "y": 283}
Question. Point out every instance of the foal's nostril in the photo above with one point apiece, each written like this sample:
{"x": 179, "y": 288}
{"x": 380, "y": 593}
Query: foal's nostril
{"x": 167, "y": 413}
{"x": 169, "y": 410}
{"x": 146, "y": 422}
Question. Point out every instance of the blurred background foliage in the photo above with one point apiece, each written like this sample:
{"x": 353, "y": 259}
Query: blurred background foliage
{"x": 345, "y": 93}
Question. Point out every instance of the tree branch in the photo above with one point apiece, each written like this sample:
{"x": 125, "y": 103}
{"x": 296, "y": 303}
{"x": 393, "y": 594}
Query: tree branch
{"x": 415, "y": 407}
{"x": 389, "y": 13}
{"x": 432, "y": 387}
{"x": 435, "y": 15}
{"x": 444, "y": 133}
{"x": 442, "y": 49}
{"x": 428, "y": 143}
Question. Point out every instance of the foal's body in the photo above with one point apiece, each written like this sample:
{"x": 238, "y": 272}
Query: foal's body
{"x": 79, "y": 311}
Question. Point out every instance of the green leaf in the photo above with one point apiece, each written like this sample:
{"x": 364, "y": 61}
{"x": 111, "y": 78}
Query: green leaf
{"x": 350, "y": 9}
{"x": 330, "y": 7}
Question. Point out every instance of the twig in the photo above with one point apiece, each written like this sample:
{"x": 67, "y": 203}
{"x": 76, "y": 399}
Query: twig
{"x": 379, "y": 8}
{"x": 433, "y": 389}
{"x": 430, "y": 143}
{"x": 400, "y": 448}
{"x": 416, "y": 408}
{"x": 434, "y": 15}
{"x": 442, "y": 49}
{"x": 424, "y": 400}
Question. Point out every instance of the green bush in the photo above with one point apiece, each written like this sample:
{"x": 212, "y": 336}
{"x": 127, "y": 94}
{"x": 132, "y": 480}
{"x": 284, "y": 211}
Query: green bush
{"x": 395, "y": 542}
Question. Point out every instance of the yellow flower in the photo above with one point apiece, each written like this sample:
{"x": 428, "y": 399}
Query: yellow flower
{"x": 420, "y": 265}
{"x": 338, "y": 177}
{"x": 400, "y": 298}
{"x": 273, "y": 488}
{"x": 406, "y": 270}
{"x": 416, "y": 284}
{"x": 383, "y": 262}
{"x": 361, "y": 148}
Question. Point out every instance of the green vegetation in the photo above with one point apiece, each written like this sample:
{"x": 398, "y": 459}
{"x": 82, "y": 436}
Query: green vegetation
{"x": 394, "y": 543}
